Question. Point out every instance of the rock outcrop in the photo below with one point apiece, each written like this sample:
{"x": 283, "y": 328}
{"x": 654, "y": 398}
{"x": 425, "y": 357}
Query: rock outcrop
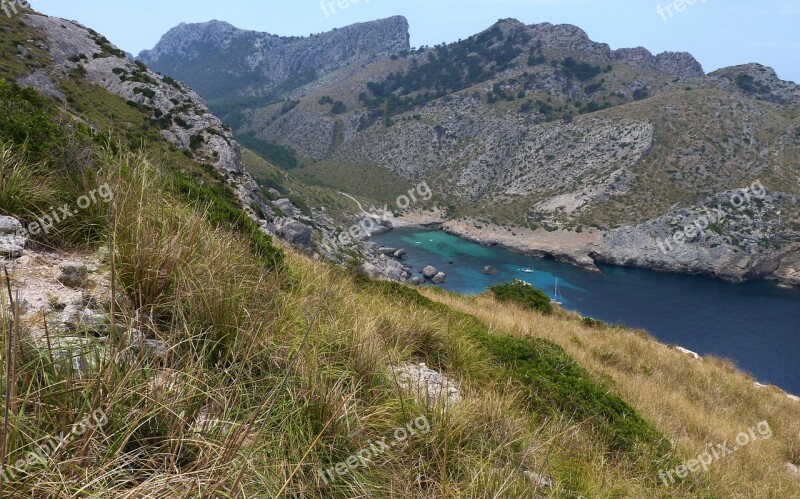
{"x": 12, "y": 242}
{"x": 680, "y": 64}
{"x": 432, "y": 387}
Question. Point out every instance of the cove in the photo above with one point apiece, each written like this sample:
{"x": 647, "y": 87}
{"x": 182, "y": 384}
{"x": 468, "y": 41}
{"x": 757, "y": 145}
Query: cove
{"x": 756, "y": 325}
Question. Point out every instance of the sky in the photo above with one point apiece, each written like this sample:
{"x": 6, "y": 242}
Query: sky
{"x": 719, "y": 33}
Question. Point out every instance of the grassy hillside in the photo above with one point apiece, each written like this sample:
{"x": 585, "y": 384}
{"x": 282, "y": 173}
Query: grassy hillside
{"x": 280, "y": 367}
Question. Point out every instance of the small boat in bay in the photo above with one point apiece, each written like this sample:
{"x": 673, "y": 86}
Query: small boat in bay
{"x": 558, "y": 299}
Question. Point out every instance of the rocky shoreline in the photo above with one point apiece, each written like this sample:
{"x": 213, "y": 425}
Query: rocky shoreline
{"x": 590, "y": 247}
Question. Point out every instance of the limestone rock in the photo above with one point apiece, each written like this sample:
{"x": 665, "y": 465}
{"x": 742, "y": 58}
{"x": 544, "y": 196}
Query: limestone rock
{"x": 286, "y": 207}
{"x": 689, "y": 352}
{"x": 429, "y": 272}
{"x": 9, "y": 225}
{"x": 12, "y": 242}
{"x": 431, "y": 386}
{"x": 439, "y": 278}
{"x": 72, "y": 274}
{"x": 297, "y": 234}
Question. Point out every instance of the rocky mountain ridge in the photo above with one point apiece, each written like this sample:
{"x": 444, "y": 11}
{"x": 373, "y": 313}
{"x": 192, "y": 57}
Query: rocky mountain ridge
{"x": 259, "y": 64}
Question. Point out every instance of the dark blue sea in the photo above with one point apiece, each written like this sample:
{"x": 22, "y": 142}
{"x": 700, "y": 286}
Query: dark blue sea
{"x": 757, "y": 325}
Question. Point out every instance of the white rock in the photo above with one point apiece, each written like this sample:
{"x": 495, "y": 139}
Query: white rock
{"x": 539, "y": 480}
{"x": 688, "y": 352}
{"x": 432, "y": 386}
{"x": 9, "y": 225}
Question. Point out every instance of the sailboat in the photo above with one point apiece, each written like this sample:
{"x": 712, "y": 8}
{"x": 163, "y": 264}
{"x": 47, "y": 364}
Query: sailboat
{"x": 558, "y": 300}
{"x": 528, "y": 270}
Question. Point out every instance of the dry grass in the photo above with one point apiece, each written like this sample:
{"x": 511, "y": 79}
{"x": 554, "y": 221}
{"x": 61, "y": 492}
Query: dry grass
{"x": 694, "y": 402}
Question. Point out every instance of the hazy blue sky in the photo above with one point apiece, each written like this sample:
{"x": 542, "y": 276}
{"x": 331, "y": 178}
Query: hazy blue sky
{"x": 718, "y": 32}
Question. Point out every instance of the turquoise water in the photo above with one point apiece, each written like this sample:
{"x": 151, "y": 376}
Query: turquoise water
{"x": 756, "y": 324}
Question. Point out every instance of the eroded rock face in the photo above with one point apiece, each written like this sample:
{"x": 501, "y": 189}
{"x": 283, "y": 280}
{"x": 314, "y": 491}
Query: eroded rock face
{"x": 756, "y": 81}
{"x": 680, "y": 64}
{"x": 735, "y": 244}
{"x": 183, "y": 115}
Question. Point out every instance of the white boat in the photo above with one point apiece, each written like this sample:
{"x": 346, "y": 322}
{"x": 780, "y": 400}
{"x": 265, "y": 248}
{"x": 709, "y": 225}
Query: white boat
{"x": 558, "y": 300}
{"x": 528, "y": 270}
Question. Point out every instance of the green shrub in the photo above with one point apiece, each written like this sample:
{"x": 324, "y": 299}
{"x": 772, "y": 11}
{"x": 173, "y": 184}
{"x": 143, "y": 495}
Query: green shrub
{"x": 195, "y": 141}
{"x": 147, "y": 92}
{"x": 592, "y": 323}
{"x": 641, "y": 93}
{"x": 25, "y": 118}
{"x": 338, "y": 107}
{"x": 523, "y": 294}
{"x": 553, "y": 379}
{"x": 280, "y": 156}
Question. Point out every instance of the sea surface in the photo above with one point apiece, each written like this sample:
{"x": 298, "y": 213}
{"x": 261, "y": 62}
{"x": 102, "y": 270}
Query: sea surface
{"x": 757, "y": 325}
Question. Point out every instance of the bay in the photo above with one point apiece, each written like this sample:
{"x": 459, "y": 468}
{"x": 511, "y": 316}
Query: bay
{"x": 756, "y": 325}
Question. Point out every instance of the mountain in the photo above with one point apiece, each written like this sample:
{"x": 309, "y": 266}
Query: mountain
{"x": 540, "y": 139}
{"x": 223, "y": 62}
{"x": 157, "y": 341}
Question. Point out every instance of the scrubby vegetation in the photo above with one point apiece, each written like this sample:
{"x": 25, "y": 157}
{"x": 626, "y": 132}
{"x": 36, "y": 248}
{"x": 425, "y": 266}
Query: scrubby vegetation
{"x": 274, "y": 153}
{"x": 523, "y": 294}
{"x": 443, "y": 70}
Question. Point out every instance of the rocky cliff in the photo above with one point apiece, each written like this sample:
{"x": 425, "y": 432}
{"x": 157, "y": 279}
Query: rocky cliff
{"x": 221, "y": 61}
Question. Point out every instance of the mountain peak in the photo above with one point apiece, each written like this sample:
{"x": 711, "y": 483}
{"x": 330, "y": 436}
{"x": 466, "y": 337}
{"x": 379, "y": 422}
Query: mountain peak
{"x": 256, "y": 63}
{"x": 680, "y": 64}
